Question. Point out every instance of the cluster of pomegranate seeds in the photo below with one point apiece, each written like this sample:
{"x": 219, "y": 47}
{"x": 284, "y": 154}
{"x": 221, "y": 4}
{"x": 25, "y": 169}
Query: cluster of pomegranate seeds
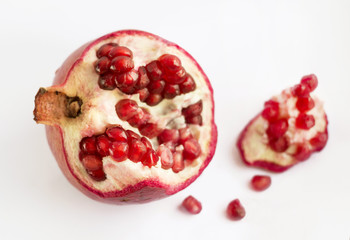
{"x": 260, "y": 182}
{"x": 235, "y": 210}
{"x": 159, "y": 79}
{"x": 193, "y": 112}
{"x": 192, "y": 205}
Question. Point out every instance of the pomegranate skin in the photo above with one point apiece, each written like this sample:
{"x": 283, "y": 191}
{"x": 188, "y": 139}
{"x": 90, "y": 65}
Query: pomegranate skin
{"x": 144, "y": 191}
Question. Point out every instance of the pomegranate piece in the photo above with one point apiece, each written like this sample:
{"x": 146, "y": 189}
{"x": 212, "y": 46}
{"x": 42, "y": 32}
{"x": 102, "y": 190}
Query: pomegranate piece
{"x": 192, "y": 205}
{"x": 126, "y": 109}
{"x": 286, "y": 132}
{"x": 235, "y": 210}
{"x": 260, "y": 182}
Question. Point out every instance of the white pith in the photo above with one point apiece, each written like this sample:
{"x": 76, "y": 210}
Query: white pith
{"x": 255, "y": 143}
{"x": 98, "y": 112}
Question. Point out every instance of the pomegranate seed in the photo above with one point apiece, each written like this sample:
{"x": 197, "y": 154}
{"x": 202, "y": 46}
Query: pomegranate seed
{"x": 169, "y": 135}
{"x": 119, "y": 151}
{"x": 310, "y": 81}
{"x": 175, "y": 77}
{"x": 88, "y": 145}
{"x": 132, "y": 135}
{"x": 179, "y": 163}
{"x": 260, "y": 182}
{"x": 304, "y": 121}
{"x": 146, "y": 142}
{"x": 105, "y": 49}
{"x": 127, "y": 79}
{"x": 300, "y": 90}
{"x": 107, "y": 82}
{"x": 127, "y": 90}
{"x": 92, "y": 162}
{"x": 142, "y": 117}
{"x": 279, "y": 144}
{"x": 278, "y": 128}
{"x": 192, "y": 205}
{"x": 185, "y": 134}
{"x": 154, "y": 71}
{"x": 117, "y": 134}
{"x": 193, "y": 110}
{"x": 154, "y": 99}
{"x": 235, "y": 210}
{"x": 97, "y": 175}
{"x": 103, "y": 143}
{"x": 319, "y": 141}
{"x": 156, "y": 87}
{"x": 126, "y": 109}
{"x": 170, "y": 91}
{"x": 171, "y": 146}
{"x": 150, "y": 158}
{"x": 166, "y": 157}
{"x": 271, "y": 111}
{"x": 122, "y": 64}
{"x": 144, "y": 93}
{"x": 302, "y": 153}
{"x": 194, "y": 120}
{"x": 188, "y": 85}
{"x": 170, "y": 62}
{"x": 137, "y": 150}
{"x": 150, "y": 130}
{"x": 305, "y": 104}
{"x": 102, "y": 65}
{"x": 143, "y": 79}
{"x": 120, "y": 51}
{"x": 192, "y": 149}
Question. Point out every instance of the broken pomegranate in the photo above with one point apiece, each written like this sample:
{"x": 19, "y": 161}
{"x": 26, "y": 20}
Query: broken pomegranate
{"x": 130, "y": 118}
{"x": 192, "y": 205}
{"x": 289, "y": 129}
{"x": 235, "y": 210}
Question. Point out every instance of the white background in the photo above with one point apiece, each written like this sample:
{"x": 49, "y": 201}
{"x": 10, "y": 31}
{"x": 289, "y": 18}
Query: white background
{"x": 250, "y": 50}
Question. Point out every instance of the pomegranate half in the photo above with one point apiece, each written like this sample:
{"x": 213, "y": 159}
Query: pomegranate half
{"x": 129, "y": 118}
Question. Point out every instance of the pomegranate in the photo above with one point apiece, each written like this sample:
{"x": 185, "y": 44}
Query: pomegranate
{"x": 129, "y": 118}
{"x": 192, "y": 205}
{"x": 289, "y": 129}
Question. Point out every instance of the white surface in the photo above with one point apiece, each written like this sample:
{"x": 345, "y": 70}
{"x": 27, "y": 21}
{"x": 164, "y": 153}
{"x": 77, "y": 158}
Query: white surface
{"x": 250, "y": 50}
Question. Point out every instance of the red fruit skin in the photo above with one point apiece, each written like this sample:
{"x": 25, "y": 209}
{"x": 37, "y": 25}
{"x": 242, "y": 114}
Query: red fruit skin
{"x": 144, "y": 191}
{"x": 273, "y": 167}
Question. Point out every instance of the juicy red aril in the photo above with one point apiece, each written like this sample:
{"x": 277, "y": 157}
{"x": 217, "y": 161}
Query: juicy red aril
{"x": 119, "y": 151}
{"x": 102, "y": 65}
{"x": 193, "y": 110}
{"x": 175, "y": 77}
{"x": 319, "y": 141}
{"x": 156, "y": 87}
{"x": 277, "y": 129}
{"x": 117, "y": 134}
{"x": 310, "y": 81}
{"x": 150, "y": 158}
{"x": 279, "y": 144}
{"x": 127, "y": 90}
{"x": 132, "y": 135}
{"x": 260, "y": 182}
{"x": 92, "y": 162}
{"x": 140, "y": 118}
{"x": 150, "y": 130}
{"x": 194, "y": 120}
{"x": 146, "y": 142}
{"x": 305, "y": 121}
{"x": 137, "y": 150}
{"x": 305, "y": 104}
{"x": 154, "y": 99}
{"x": 154, "y": 70}
{"x": 97, "y": 175}
{"x": 143, "y": 80}
{"x": 143, "y": 94}
{"x": 170, "y": 62}
{"x": 120, "y": 51}
{"x": 103, "y": 143}
{"x": 300, "y": 90}
{"x": 107, "y": 82}
{"x": 127, "y": 79}
{"x": 271, "y": 111}
{"x": 192, "y": 149}
{"x": 170, "y": 91}
{"x": 122, "y": 64}
{"x": 192, "y": 205}
{"x": 188, "y": 85}
{"x": 185, "y": 134}
{"x": 235, "y": 210}
{"x": 302, "y": 153}
{"x": 179, "y": 163}
{"x": 105, "y": 49}
{"x": 88, "y": 145}
{"x": 166, "y": 157}
{"x": 169, "y": 135}
{"x": 126, "y": 109}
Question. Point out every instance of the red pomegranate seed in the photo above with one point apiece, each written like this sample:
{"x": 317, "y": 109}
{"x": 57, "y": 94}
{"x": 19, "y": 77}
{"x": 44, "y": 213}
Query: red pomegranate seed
{"x": 302, "y": 153}
{"x": 126, "y": 109}
{"x": 117, "y": 134}
{"x": 194, "y": 120}
{"x": 175, "y": 77}
{"x": 166, "y": 157}
{"x": 146, "y": 142}
{"x": 169, "y": 135}
{"x": 92, "y": 162}
{"x": 154, "y": 99}
{"x": 120, "y": 51}
{"x": 97, "y": 175}
{"x": 132, "y": 135}
{"x": 119, "y": 151}
{"x": 280, "y": 144}
{"x": 154, "y": 71}
{"x": 103, "y": 143}
{"x": 188, "y": 85}
{"x": 179, "y": 163}
{"x": 127, "y": 79}
{"x": 137, "y": 150}
{"x": 122, "y": 64}
{"x": 271, "y": 111}
{"x": 127, "y": 90}
{"x": 185, "y": 134}
{"x": 192, "y": 149}
{"x": 305, "y": 121}
{"x": 143, "y": 79}
{"x": 88, "y": 145}
{"x": 142, "y": 117}
{"x": 192, "y": 205}
{"x": 170, "y": 91}
{"x": 260, "y": 182}
{"x": 305, "y": 104}
{"x": 235, "y": 210}
{"x": 150, "y": 158}
{"x": 156, "y": 87}
{"x": 193, "y": 110}
{"x": 105, "y": 49}
{"x": 278, "y": 128}
{"x": 319, "y": 141}
{"x": 300, "y": 90}
{"x": 310, "y": 81}
{"x": 143, "y": 94}
{"x": 102, "y": 65}
{"x": 170, "y": 62}
{"x": 107, "y": 82}
{"x": 150, "y": 130}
